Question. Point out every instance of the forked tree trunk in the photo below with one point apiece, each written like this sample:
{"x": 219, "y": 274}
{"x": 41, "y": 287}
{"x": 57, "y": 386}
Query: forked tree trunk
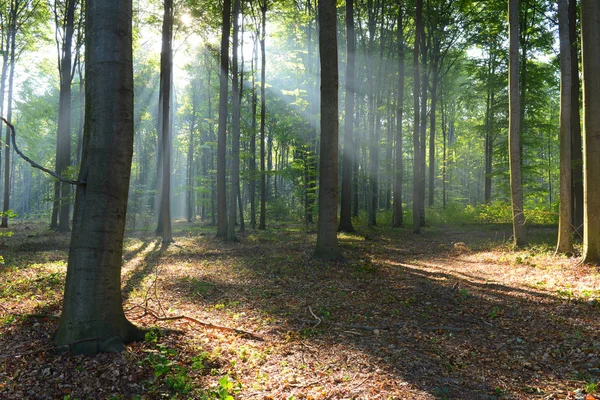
{"x": 92, "y": 317}
{"x": 565, "y": 231}
{"x": 514, "y": 154}
{"x": 590, "y": 50}
{"x": 327, "y": 245}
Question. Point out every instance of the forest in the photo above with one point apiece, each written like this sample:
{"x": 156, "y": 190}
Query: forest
{"x": 300, "y": 199}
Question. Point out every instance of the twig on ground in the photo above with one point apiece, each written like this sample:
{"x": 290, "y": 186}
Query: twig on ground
{"x": 47, "y": 348}
{"x": 317, "y": 318}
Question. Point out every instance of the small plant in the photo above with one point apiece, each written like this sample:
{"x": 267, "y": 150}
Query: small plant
{"x": 463, "y": 293}
{"x": 494, "y": 312}
{"x": 591, "y": 388}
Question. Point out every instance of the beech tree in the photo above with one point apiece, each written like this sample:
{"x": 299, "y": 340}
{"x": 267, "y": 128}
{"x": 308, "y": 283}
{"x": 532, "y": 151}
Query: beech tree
{"x": 327, "y": 246}
{"x": 516, "y": 190}
{"x": 590, "y": 50}
{"x": 92, "y": 318}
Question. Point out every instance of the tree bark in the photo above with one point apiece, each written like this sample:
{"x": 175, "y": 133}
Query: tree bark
{"x": 576, "y": 140}
{"x": 166, "y": 71}
{"x": 92, "y": 318}
{"x": 327, "y": 246}
{"x": 590, "y": 50}
{"x": 514, "y": 127}
{"x": 565, "y": 231}
{"x": 417, "y": 119}
{"x": 235, "y": 140}
{"x": 347, "y": 167}
{"x": 262, "y": 224}
{"x": 398, "y": 220}
{"x": 222, "y": 225}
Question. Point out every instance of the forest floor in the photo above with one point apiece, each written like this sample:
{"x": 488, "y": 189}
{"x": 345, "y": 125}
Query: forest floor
{"x": 451, "y": 313}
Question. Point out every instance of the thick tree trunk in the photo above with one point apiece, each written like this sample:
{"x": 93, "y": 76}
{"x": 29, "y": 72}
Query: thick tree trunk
{"x": 565, "y": 231}
{"x": 347, "y": 167}
{"x": 92, "y": 318}
{"x": 327, "y": 246}
{"x": 222, "y": 136}
{"x": 590, "y": 50}
{"x": 235, "y": 140}
{"x": 166, "y": 68}
{"x": 516, "y": 192}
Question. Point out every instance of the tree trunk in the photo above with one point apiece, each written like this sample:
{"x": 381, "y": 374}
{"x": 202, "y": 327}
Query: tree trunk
{"x": 263, "y": 116}
{"x": 235, "y": 140}
{"x": 222, "y": 136}
{"x": 253, "y": 138}
{"x": 7, "y": 147}
{"x": 346, "y": 195}
{"x": 590, "y": 50}
{"x": 63, "y": 142}
{"x": 564, "y": 244}
{"x": 327, "y": 246}
{"x": 576, "y": 140}
{"x": 166, "y": 67}
{"x": 417, "y": 118}
{"x": 92, "y": 318}
{"x": 398, "y": 220}
{"x": 514, "y": 154}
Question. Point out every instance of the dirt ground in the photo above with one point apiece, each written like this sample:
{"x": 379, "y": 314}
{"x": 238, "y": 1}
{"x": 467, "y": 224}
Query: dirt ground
{"x": 450, "y": 314}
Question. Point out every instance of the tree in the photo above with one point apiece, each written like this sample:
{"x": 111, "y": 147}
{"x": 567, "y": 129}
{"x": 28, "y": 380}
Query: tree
{"x": 417, "y": 143}
{"x": 590, "y": 54}
{"x": 327, "y": 246}
{"x": 92, "y": 318}
{"x": 346, "y": 195}
{"x": 565, "y": 231}
{"x": 262, "y": 220}
{"x": 235, "y": 151}
{"x": 222, "y": 130}
{"x": 398, "y": 220}
{"x": 516, "y": 190}
{"x": 65, "y": 22}
{"x": 166, "y": 66}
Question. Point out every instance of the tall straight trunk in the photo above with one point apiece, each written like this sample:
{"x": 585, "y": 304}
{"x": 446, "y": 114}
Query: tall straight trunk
{"x": 327, "y": 245}
{"x": 7, "y": 147}
{"x": 235, "y": 139}
{"x": 398, "y": 220}
{"x": 63, "y": 141}
{"x": 252, "y": 161}
{"x": 81, "y": 112}
{"x": 417, "y": 119}
{"x": 514, "y": 154}
{"x": 262, "y": 224}
{"x": 590, "y": 54}
{"x": 432, "y": 124}
{"x": 444, "y": 150}
{"x": 347, "y": 167}
{"x": 190, "y": 198}
{"x": 166, "y": 65}
{"x": 222, "y": 225}
{"x": 423, "y": 138}
{"x": 576, "y": 140}
{"x": 564, "y": 244}
{"x": 489, "y": 142}
{"x": 310, "y": 157}
{"x": 92, "y": 318}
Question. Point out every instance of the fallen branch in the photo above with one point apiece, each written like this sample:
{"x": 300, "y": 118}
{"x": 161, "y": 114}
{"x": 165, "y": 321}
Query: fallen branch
{"x": 241, "y": 333}
{"x": 33, "y": 163}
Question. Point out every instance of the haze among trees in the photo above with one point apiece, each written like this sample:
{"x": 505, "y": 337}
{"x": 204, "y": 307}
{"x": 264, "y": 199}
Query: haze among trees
{"x": 220, "y": 122}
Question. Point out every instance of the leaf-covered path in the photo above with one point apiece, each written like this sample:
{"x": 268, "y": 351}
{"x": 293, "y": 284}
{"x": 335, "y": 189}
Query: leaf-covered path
{"x": 450, "y": 313}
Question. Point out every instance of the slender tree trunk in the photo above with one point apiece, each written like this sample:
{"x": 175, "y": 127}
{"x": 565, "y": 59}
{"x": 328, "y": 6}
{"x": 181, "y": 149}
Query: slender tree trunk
{"x": 565, "y": 231}
{"x": 514, "y": 127}
{"x": 7, "y": 147}
{"x": 222, "y": 225}
{"x": 576, "y": 140}
{"x": 327, "y": 246}
{"x": 398, "y": 220}
{"x": 346, "y": 194}
{"x": 432, "y": 123}
{"x": 235, "y": 140}
{"x": 417, "y": 119}
{"x": 590, "y": 50}
{"x": 92, "y": 318}
{"x": 166, "y": 65}
{"x": 190, "y": 198}
{"x": 253, "y": 138}
{"x": 262, "y": 224}
{"x": 63, "y": 145}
